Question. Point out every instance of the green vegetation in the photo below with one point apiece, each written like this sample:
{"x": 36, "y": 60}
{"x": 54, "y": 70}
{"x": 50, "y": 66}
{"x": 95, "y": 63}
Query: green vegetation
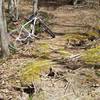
{"x": 97, "y": 72}
{"x": 77, "y": 37}
{"x": 42, "y": 50}
{"x": 63, "y": 53}
{"x": 92, "y": 56}
{"x": 95, "y": 34}
{"x": 32, "y": 71}
{"x": 12, "y": 48}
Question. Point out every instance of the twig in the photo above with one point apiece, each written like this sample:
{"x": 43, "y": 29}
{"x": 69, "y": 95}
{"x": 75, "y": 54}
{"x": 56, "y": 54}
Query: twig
{"x": 66, "y": 87}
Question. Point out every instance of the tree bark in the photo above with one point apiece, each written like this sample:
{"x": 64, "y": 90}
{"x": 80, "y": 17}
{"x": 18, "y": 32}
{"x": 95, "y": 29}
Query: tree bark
{"x": 13, "y": 9}
{"x": 3, "y": 31}
{"x": 35, "y": 6}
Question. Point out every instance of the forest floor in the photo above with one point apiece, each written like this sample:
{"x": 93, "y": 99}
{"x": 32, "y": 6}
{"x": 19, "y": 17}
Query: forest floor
{"x": 73, "y": 57}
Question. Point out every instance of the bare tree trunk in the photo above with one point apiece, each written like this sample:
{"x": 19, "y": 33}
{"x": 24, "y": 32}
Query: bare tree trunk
{"x": 17, "y": 9}
{"x": 35, "y": 6}
{"x": 13, "y": 9}
{"x": 3, "y": 31}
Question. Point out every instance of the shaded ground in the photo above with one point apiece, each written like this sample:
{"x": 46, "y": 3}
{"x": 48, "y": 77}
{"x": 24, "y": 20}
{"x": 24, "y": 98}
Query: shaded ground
{"x": 75, "y": 77}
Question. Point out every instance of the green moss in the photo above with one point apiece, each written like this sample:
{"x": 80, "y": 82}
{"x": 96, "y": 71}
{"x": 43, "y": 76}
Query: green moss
{"x": 94, "y": 31}
{"x": 42, "y": 50}
{"x": 44, "y": 47}
{"x": 98, "y": 73}
{"x": 32, "y": 71}
{"x": 63, "y": 53}
{"x": 93, "y": 34}
{"x": 74, "y": 36}
{"x": 38, "y": 28}
{"x": 98, "y": 26}
{"x": 92, "y": 56}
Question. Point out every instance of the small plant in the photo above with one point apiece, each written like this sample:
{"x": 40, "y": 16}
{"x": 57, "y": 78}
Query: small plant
{"x": 12, "y": 48}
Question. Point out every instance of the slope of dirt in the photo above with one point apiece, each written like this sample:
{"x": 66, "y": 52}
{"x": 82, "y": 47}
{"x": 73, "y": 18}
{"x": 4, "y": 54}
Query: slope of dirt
{"x": 67, "y": 19}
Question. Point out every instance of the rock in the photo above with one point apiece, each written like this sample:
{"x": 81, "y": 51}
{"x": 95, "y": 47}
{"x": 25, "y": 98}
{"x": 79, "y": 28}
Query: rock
{"x": 1, "y": 97}
{"x": 25, "y": 96}
{"x": 51, "y": 73}
{"x": 96, "y": 85}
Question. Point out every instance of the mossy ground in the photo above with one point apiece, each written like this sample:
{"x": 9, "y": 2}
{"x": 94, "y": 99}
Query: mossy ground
{"x": 92, "y": 56}
{"x": 63, "y": 53}
{"x": 32, "y": 71}
{"x": 75, "y": 36}
{"x": 42, "y": 50}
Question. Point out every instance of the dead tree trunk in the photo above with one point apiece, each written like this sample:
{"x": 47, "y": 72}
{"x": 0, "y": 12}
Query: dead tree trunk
{"x": 3, "y": 31}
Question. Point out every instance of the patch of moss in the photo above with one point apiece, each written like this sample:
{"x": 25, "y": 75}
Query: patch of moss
{"x": 32, "y": 71}
{"x": 92, "y": 56}
{"x": 98, "y": 25}
{"x": 38, "y": 28}
{"x": 42, "y": 50}
{"x": 98, "y": 73}
{"x": 63, "y": 53}
{"x": 93, "y": 34}
{"x": 74, "y": 36}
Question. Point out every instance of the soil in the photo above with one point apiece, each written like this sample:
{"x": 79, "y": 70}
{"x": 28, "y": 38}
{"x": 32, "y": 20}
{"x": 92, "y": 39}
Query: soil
{"x": 73, "y": 80}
